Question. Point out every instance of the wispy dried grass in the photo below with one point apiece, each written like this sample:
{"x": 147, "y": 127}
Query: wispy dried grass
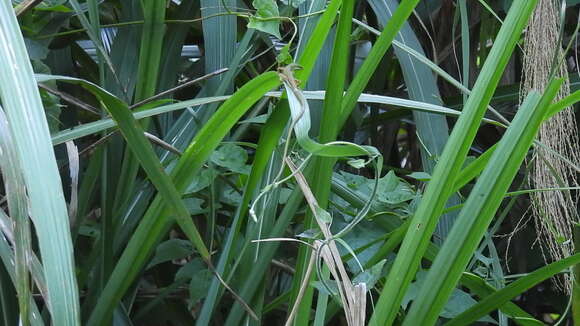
{"x": 554, "y": 211}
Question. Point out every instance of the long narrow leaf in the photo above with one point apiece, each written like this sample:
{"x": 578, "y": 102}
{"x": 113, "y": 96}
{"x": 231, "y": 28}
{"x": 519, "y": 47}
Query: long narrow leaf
{"x": 29, "y": 130}
{"x": 272, "y": 131}
{"x": 100, "y": 125}
{"x": 323, "y": 166}
{"x": 143, "y": 151}
{"x": 375, "y": 56}
{"x": 155, "y": 222}
{"x": 477, "y": 213}
{"x": 438, "y": 189}
{"x": 147, "y": 76}
{"x": 502, "y": 296}
{"x": 432, "y": 129}
{"x": 18, "y": 208}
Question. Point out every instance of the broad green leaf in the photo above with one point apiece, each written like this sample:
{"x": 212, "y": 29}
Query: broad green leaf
{"x": 199, "y": 285}
{"x": 329, "y": 287}
{"x": 171, "y": 250}
{"x": 36, "y": 50}
{"x": 194, "y": 205}
{"x": 265, "y": 19}
{"x": 421, "y": 176}
{"x": 460, "y": 301}
{"x": 231, "y": 157}
{"x": 323, "y": 215}
{"x": 371, "y": 275}
{"x": 392, "y": 190}
{"x": 186, "y": 271}
{"x": 230, "y": 196}
{"x": 355, "y": 182}
{"x": 203, "y": 179}
{"x": 475, "y": 284}
{"x": 356, "y": 163}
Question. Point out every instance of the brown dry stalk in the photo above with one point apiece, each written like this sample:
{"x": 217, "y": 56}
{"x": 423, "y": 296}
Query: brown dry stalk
{"x": 353, "y": 297}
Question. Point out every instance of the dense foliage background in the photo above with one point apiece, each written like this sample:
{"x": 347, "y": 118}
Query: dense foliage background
{"x": 208, "y": 208}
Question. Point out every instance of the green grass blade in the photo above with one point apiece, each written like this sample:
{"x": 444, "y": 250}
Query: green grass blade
{"x": 48, "y": 209}
{"x": 94, "y": 127}
{"x": 479, "y": 209}
{"x": 564, "y": 103}
{"x": 474, "y": 283}
{"x": 268, "y": 250}
{"x": 155, "y": 222}
{"x": 219, "y": 34}
{"x": 318, "y": 77}
{"x": 275, "y": 125}
{"x": 143, "y": 151}
{"x": 18, "y": 209}
{"x": 94, "y": 19}
{"x": 171, "y": 62}
{"x": 465, "y": 44}
{"x": 438, "y": 189}
{"x": 151, "y": 46}
{"x": 335, "y": 82}
{"x": 212, "y": 294}
{"x": 147, "y": 77}
{"x": 8, "y": 307}
{"x": 376, "y": 54}
{"x": 274, "y": 128}
{"x": 7, "y": 257}
{"x": 421, "y": 85}
{"x": 124, "y": 50}
{"x": 474, "y": 168}
{"x": 145, "y": 154}
{"x": 434, "y": 67}
{"x": 144, "y": 111}
{"x": 268, "y": 141}
{"x": 516, "y": 288}
{"x": 307, "y": 58}
{"x": 93, "y": 33}
{"x": 482, "y": 289}
{"x": 432, "y": 129}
